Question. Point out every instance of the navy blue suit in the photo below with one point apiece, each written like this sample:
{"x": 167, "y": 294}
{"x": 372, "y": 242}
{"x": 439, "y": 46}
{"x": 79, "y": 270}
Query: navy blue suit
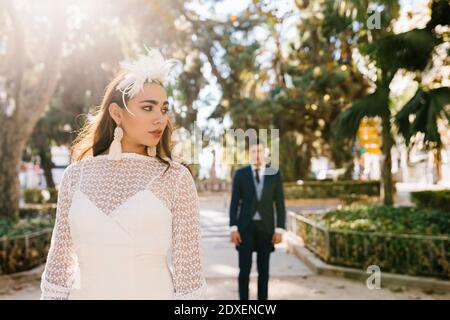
{"x": 256, "y": 235}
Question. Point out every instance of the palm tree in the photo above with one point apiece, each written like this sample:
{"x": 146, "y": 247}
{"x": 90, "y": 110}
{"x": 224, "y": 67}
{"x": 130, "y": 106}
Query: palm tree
{"x": 421, "y": 114}
{"x": 408, "y": 50}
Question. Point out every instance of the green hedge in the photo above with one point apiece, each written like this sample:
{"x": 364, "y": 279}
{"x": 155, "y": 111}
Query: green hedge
{"x": 25, "y": 252}
{"x": 36, "y": 210}
{"x": 386, "y": 219}
{"x": 34, "y": 195}
{"x": 24, "y": 243}
{"x": 21, "y": 227}
{"x": 331, "y": 189}
{"x": 404, "y": 240}
{"x": 432, "y": 199}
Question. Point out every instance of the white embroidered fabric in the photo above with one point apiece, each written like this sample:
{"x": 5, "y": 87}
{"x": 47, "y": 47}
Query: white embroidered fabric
{"x": 124, "y": 216}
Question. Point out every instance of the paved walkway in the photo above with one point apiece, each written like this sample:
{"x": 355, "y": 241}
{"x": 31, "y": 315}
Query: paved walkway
{"x": 289, "y": 277}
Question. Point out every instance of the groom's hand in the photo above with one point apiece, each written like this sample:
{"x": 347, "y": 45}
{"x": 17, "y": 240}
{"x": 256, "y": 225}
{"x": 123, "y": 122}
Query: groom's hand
{"x": 276, "y": 238}
{"x": 235, "y": 237}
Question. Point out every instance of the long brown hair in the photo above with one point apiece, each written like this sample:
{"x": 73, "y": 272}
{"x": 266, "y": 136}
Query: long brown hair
{"x": 97, "y": 133}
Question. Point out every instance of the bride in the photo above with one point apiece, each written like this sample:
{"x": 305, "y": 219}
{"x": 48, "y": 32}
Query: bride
{"x": 127, "y": 220}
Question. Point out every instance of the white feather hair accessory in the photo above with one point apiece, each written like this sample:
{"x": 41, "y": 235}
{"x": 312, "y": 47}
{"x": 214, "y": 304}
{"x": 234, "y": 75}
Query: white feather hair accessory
{"x": 151, "y": 67}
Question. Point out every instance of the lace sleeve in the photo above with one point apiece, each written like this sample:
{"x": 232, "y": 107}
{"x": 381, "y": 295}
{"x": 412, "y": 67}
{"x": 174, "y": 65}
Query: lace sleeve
{"x": 189, "y": 281}
{"x": 59, "y": 272}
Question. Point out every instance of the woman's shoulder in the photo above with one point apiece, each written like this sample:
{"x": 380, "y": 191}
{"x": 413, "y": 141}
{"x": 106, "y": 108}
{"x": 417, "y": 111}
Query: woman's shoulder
{"x": 179, "y": 167}
{"x": 72, "y": 168}
{"x": 70, "y": 175}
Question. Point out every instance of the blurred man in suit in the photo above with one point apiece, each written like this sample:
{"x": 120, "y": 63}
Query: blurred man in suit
{"x": 252, "y": 218}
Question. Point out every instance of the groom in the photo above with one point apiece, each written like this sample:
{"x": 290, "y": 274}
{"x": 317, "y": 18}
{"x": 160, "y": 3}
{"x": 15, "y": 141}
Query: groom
{"x": 252, "y": 218}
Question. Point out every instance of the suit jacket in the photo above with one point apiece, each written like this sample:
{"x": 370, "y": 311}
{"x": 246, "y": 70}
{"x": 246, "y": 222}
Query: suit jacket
{"x": 244, "y": 201}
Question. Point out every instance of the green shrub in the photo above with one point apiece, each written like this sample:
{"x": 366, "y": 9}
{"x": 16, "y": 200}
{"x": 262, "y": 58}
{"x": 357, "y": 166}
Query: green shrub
{"x": 331, "y": 189}
{"x": 18, "y": 227}
{"x": 24, "y": 243}
{"x": 432, "y": 199}
{"x": 53, "y": 195}
{"x": 405, "y": 240}
{"x": 35, "y": 195}
{"x": 24, "y": 253}
{"x": 386, "y": 219}
{"x": 34, "y": 211}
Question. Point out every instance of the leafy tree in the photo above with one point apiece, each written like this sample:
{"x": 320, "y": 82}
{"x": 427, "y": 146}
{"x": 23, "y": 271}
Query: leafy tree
{"x": 390, "y": 52}
{"x": 29, "y": 73}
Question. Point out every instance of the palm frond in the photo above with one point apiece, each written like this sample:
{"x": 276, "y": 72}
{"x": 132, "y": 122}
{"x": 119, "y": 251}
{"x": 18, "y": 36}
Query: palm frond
{"x": 427, "y": 107}
{"x": 409, "y": 50}
{"x": 346, "y": 124}
{"x": 402, "y": 120}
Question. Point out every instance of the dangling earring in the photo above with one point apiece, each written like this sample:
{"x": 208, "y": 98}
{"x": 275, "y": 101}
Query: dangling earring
{"x": 115, "y": 149}
{"x": 151, "y": 151}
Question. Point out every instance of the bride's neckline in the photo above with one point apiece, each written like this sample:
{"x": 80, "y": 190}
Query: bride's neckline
{"x": 128, "y": 155}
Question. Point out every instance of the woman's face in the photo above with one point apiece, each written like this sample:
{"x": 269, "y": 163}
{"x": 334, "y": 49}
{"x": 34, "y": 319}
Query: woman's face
{"x": 151, "y": 108}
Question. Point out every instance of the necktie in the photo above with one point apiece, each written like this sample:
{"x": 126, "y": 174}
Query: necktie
{"x": 257, "y": 175}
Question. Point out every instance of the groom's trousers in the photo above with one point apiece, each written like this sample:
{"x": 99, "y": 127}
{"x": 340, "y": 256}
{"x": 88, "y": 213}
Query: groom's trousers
{"x": 254, "y": 238}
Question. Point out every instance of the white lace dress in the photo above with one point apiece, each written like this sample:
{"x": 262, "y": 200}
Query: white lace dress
{"x": 125, "y": 229}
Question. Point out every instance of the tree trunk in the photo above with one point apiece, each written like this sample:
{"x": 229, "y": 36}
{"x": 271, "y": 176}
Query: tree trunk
{"x": 342, "y": 156}
{"x": 387, "y": 184}
{"x": 47, "y": 165}
{"x": 30, "y": 103}
{"x": 12, "y": 144}
{"x": 304, "y": 161}
{"x": 437, "y": 165}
